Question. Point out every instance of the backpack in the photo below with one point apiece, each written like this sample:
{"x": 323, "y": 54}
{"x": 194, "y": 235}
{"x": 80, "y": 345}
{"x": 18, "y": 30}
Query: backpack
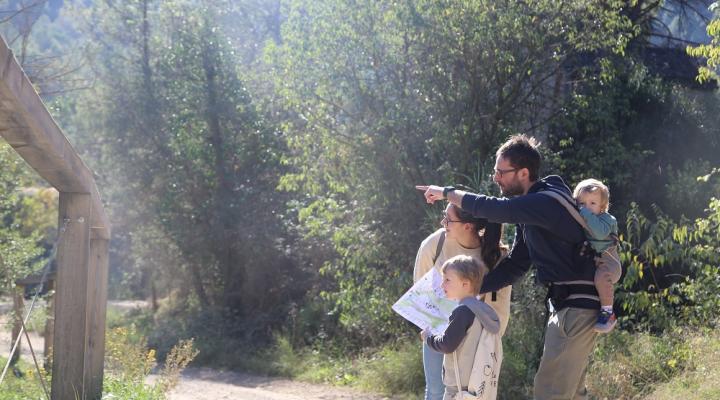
{"x": 483, "y": 382}
{"x": 439, "y": 247}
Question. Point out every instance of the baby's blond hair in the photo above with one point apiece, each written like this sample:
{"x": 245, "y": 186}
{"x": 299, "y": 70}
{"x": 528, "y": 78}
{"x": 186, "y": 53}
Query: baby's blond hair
{"x": 467, "y": 267}
{"x": 592, "y": 186}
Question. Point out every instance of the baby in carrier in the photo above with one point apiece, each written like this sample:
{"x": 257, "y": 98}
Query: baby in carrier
{"x": 593, "y": 197}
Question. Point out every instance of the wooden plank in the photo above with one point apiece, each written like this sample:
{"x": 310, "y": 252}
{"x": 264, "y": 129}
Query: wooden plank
{"x": 31, "y": 130}
{"x": 71, "y": 297}
{"x": 20, "y": 98}
{"x": 97, "y": 299}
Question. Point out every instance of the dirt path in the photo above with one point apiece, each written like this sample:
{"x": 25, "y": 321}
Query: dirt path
{"x": 5, "y": 333}
{"x": 209, "y": 384}
{"x": 206, "y": 383}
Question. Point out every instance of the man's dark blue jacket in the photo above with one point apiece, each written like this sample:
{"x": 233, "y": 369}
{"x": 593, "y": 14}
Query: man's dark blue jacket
{"x": 547, "y": 236}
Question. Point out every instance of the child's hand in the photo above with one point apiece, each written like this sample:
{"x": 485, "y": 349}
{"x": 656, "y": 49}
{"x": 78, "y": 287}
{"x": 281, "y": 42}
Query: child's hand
{"x": 425, "y": 333}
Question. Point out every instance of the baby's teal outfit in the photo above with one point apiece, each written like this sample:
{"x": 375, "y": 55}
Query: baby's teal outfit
{"x": 602, "y": 226}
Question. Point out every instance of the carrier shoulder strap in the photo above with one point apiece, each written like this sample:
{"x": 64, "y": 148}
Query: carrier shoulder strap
{"x": 439, "y": 248}
{"x": 568, "y": 204}
{"x": 563, "y": 199}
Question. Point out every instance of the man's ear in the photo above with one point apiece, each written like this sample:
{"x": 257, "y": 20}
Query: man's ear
{"x": 524, "y": 174}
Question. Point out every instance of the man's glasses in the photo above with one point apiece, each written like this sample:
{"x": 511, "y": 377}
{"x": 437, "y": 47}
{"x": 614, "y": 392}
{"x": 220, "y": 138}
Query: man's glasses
{"x": 499, "y": 172}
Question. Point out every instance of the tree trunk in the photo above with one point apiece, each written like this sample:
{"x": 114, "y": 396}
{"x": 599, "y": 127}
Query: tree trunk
{"x": 225, "y": 221}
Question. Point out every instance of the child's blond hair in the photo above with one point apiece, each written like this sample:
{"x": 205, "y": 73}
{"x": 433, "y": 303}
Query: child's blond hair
{"x": 469, "y": 268}
{"x": 592, "y": 186}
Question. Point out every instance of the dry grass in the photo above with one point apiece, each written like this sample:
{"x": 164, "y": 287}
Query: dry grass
{"x": 702, "y": 380}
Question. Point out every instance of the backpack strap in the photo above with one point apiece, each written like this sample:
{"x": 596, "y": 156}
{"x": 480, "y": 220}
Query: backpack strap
{"x": 457, "y": 375}
{"x": 439, "y": 248}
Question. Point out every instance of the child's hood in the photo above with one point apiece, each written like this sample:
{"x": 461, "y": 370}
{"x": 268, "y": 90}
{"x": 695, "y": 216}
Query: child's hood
{"x": 484, "y": 313}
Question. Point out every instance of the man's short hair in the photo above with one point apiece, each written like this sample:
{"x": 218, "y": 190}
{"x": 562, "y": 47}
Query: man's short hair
{"x": 521, "y": 151}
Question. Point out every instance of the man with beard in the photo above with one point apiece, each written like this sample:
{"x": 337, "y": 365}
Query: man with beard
{"x": 548, "y": 237}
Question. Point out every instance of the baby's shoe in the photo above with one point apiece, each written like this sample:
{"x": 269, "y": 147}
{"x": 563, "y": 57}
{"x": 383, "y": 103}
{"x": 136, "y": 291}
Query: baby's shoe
{"x": 606, "y": 321}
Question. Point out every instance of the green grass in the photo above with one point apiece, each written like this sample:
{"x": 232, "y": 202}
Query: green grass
{"x": 683, "y": 364}
{"x": 395, "y": 369}
{"x": 625, "y": 366}
{"x": 119, "y": 389}
{"x": 26, "y": 387}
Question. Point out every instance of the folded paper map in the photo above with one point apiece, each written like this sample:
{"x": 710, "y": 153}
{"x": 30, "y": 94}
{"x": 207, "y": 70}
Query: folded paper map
{"x": 425, "y": 304}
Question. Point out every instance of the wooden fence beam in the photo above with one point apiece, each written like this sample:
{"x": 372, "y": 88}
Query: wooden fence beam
{"x": 71, "y": 297}
{"x": 29, "y": 128}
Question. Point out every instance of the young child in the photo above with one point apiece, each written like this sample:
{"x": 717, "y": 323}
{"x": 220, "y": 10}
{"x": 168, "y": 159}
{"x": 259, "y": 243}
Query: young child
{"x": 462, "y": 278}
{"x": 593, "y": 197}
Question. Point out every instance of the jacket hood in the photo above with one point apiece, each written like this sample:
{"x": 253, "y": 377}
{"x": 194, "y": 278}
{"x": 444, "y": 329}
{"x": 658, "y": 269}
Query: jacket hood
{"x": 551, "y": 182}
{"x": 484, "y": 313}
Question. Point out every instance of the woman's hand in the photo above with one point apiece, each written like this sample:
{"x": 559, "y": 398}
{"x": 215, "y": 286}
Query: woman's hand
{"x": 425, "y": 333}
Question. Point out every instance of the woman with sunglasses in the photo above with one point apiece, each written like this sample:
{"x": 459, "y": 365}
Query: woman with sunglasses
{"x": 461, "y": 233}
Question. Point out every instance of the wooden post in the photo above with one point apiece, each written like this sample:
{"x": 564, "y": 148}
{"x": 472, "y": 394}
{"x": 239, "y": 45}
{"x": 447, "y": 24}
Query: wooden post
{"x": 71, "y": 297}
{"x": 30, "y": 129}
{"x": 97, "y": 300}
{"x": 49, "y": 326}
{"x": 18, "y": 314}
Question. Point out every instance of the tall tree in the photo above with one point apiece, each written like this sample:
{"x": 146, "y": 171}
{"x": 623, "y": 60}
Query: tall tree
{"x": 389, "y": 94}
{"x": 195, "y": 160}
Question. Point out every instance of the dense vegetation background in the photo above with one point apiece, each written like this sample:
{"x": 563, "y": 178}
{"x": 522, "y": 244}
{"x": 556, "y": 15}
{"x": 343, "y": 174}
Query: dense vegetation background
{"x": 258, "y": 160}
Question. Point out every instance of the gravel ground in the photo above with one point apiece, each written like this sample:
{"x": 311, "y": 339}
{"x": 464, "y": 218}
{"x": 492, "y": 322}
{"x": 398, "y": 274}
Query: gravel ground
{"x": 206, "y": 383}
{"x": 209, "y": 384}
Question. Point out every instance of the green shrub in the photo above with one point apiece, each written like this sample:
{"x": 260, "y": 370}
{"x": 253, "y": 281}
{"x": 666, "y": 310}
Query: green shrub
{"x": 522, "y": 343}
{"x": 672, "y": 271}
{"x": 116, "y": 388}
{"x": 128, "y": 362}
{"x": 395, "y": 369}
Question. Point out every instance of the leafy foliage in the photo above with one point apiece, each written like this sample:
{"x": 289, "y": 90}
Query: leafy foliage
{"x": 709, "y": 52}
{"x": 672, "y": 270}
{"x": 19, "y": 241}
{"x": 190, "y": 145}
{"x": 386, "y": 93}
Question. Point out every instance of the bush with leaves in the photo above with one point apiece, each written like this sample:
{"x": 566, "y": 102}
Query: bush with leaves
{"x": 673, "y": 270}
{"x": 129, "y": 361}
{"x": 19, "y": 242}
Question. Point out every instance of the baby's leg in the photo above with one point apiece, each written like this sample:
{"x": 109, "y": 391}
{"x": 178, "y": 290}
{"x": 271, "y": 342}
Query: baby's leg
{"x": 606, "y": 275}
{"x": 604, "y": 286}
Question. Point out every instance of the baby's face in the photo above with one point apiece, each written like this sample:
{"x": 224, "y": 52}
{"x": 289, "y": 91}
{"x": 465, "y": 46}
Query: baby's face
{"x": 592, "y": 201}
